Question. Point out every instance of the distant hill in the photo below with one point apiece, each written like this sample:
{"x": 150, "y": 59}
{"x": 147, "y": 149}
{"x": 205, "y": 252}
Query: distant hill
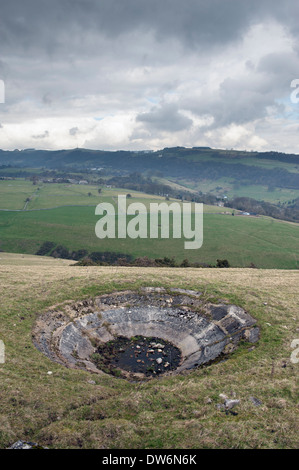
{"x": 271, "y": 169}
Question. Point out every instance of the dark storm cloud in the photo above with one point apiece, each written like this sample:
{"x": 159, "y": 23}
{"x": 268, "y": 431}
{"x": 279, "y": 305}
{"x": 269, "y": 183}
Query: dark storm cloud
{"x": 60, "y": 25}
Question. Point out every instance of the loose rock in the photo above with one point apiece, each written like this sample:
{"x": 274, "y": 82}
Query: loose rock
{"x": 255, "y": 401}
{"x": 25, "y": 445}
{"x": 229, "y": 404}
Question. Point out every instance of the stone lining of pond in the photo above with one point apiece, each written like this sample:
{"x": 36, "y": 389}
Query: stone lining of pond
{"x": 72, "y": 333}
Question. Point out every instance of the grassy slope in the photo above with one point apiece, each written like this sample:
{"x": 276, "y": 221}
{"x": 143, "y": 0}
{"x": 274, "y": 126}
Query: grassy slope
{"x": 246, "y": 159}
{"x": 66, "y": 410}
{"x": 228, "y": 188}
{"x": 266, "y": 242}
{"x": 13, "y": 194}
{"x": 227, "y": 185}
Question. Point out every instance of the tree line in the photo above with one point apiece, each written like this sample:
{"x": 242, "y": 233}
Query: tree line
{"x": 107, "y": 258}
{"x": 287, "y": 211}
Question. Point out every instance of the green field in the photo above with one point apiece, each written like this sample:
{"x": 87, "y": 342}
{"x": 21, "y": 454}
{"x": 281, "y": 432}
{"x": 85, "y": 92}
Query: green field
{"x": 65, "y": 214}
{"x": 242, "y": 240}
{"x": 13, "y": 195}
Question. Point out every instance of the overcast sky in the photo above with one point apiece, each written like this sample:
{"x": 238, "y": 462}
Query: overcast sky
{"x": 149, "y": 74}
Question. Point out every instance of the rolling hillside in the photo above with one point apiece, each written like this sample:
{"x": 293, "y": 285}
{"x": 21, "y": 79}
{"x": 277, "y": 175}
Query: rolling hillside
{"x": 65, "y": 215}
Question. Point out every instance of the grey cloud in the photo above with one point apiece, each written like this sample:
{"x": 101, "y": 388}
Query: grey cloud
{"x": 85, "y": 58}
{"x": 165, "y": 118}
{"x": 248, "y": 97}
{"x": 64, "y": 24}
{"x": 41, "y": 136}
{"x": 47, "y": 99}
{"x": 73, "y": 130}
{"x": 243, "y": 100}
{"x": 280, "y": 65}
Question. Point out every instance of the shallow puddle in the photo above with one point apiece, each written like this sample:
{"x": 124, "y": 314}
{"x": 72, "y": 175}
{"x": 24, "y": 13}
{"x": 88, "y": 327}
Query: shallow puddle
{"x": 149, "y": 356}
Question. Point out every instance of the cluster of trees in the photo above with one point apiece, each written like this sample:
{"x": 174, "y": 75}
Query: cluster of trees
{"x": 145, "y": 261}
{"x": 288, "y": 211}
{"x": 13, "y": 173}
{"x": 279, "y": 156}
{"x": 60, "y": 251}
{"x": 138, "y": 182}
{"x": 173, "y": 166}
{"x": 109, "y": 258}
{"x": 120, "y": 259}
{"x": 245, "y": 174}
{"x": 45, "y": 248}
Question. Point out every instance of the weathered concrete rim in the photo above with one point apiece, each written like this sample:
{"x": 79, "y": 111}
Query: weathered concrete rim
{"x": 70, "y": 333}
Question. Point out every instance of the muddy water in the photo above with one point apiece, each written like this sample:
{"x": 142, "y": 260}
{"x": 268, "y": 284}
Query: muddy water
{"x": 149, "y": 356}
